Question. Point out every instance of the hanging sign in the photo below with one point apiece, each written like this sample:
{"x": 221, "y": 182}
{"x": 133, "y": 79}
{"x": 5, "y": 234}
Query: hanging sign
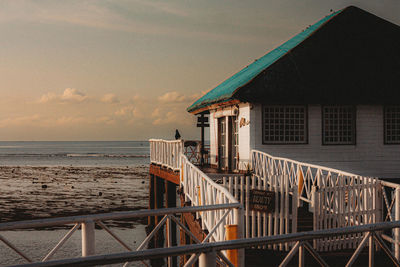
{"x": 202, "y": 122}
{"x": 262, "y": 200}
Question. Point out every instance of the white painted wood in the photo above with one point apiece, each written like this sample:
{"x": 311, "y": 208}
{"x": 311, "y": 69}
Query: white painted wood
{"x": 166, "y": 153}
{"x": 369, "y": 157}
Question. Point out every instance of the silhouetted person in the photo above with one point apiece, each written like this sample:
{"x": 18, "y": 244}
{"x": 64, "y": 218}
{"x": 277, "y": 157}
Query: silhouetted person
{"x": 177, "y": 135}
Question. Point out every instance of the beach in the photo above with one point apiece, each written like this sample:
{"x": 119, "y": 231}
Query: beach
{"x": 32, "y": 192}
{"x": 57, "y": 179}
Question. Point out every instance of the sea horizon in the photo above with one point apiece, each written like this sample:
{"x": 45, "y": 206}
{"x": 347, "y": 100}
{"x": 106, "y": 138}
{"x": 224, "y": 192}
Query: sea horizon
{"x": 74, "y": 153}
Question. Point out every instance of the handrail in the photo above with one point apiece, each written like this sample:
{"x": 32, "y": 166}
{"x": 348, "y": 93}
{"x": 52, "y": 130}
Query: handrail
{"x": 301, "y": 175}
{"x": 111, "y": 216}
{"x": 371, "y": 230}
{"x": 166, "y": 153}
{"x": 87, "y": 224}
{"x": 304, "y": 163}
{"x": 199, "y": 189}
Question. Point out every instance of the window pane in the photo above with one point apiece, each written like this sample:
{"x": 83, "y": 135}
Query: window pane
{"x": 392, "y": 125}
{"x": 284, "y": 124}
{"x": 339, "y": 125}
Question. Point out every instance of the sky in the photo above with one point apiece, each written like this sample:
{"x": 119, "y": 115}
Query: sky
{"x": 127, "y": 70}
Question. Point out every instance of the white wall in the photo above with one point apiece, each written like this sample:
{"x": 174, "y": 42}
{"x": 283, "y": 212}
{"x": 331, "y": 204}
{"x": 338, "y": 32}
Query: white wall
{"x": 244, "y": 133}
{"x": 213, "y": 137}
{"x": 368, "y": 157}
{"x": 244, "y": 136}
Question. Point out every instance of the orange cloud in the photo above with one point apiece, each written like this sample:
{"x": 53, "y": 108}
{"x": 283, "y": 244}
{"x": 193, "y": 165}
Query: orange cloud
{"x": 110, "y": 99}
{"x": 69, "y": 95}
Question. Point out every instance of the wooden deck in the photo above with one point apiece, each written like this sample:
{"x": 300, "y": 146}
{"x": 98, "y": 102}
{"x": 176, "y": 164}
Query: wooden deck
{"x": 164, "y": 173}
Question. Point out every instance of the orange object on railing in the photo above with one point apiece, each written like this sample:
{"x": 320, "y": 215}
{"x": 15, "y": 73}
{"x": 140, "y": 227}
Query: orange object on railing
{"x": 231, "y": 233}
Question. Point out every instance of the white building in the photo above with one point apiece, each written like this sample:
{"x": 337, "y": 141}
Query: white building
{"x": 327, "y": 96}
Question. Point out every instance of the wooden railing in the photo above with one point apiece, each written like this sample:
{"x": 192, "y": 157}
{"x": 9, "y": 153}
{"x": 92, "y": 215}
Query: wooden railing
{"x": 371, "y": 238}
{"x": 282, "y": 219}
{"x": 337, "y": 198}
{"x": 200, "y": 190}
{"x": 166, "y": 153}
{"x": 87, "y": 225}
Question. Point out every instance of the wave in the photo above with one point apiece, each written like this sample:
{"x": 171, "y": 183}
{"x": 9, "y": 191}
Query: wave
{"x": 73, "y": 155}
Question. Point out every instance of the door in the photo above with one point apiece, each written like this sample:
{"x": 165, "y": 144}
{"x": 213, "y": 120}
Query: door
{"x": 222, "y": 143}
{"x": 233, "y": 142}
{"x": 227, "y": 143}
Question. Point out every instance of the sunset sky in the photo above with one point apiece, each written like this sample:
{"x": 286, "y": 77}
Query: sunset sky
{"x": 127, "y": 70}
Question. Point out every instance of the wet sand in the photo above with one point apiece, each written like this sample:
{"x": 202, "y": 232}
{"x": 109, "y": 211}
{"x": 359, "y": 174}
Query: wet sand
{"x": 41, "y": 192}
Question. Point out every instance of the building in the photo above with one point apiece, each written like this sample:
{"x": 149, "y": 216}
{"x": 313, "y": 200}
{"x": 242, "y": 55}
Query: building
{"x": 328, "y": 96}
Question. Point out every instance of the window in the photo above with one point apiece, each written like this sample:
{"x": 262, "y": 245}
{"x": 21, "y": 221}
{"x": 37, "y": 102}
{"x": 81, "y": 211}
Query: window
{"x": 284, "y": 125}
{"x": 338, "y": 125}
{"x": 392, "y": 124}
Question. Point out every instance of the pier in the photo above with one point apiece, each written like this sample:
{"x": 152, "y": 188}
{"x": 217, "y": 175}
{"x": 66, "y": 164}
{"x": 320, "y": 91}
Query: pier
{"x": 306, "y": 197}
{"x": 213, "y": 218}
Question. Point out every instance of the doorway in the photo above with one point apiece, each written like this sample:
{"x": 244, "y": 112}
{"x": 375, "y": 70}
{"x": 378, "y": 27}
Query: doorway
{"x": 228, "y": 143}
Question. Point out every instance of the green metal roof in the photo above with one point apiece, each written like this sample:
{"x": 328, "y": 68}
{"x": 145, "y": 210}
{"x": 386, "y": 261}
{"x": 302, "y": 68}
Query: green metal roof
{"x": 224, "y": 92}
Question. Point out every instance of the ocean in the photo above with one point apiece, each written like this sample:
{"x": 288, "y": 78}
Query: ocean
{"x": 81, "y": 177}
{"x": 74, "y": 153}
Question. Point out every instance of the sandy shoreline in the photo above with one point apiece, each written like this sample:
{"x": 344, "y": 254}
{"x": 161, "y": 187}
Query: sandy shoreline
{"x": 39, "y": 192}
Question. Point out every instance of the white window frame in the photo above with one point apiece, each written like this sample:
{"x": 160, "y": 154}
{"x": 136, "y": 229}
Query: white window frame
{"x": 338, "y": 124}
{"x": 391, "y": 124}
{"x": 287, "y": 125}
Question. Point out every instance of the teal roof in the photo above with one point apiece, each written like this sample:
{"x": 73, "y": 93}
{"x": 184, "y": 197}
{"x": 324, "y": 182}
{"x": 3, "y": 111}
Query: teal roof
{"x": 224, "y": 92}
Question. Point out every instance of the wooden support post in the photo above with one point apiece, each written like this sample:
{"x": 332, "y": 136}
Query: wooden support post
{"x": 159, "y": 204}
{"x": 158, "y": 196}
{"x": 151, "y": 219}
{"x": 150, "y": 222}
{"x": 170, "y": 200}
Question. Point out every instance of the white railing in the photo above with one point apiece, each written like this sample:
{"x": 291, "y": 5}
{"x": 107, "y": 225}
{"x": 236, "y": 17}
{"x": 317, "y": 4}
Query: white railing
{"x": 200, "y": 190}
{"x": 281, "y": 220}
{"x": 371, "y": 238}
{"x": 300, "y": 175}
{"x": 166, "y": 153}
{"x": 337, "y": 198}
{"x": 391, "y": 212}
{"x": 87, "y": 224}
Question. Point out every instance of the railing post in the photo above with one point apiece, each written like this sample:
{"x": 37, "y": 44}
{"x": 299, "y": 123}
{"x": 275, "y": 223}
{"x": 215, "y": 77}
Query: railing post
{"x": 208, "y": 259}
{"x": 301, "y": 255}
{"x": 397, "y": 230}
{"x": 371, "y": 250}
{"x": 239, "y": 221}
{"x": 88, "y": 239}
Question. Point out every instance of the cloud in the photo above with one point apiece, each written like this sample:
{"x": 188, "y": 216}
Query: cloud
{"x": 164, "y": 116}
{"x": 65, "y": 120}
{"x": 106, "y": 120}
{"x": 100, "y": 15}
{"x": 69, "y": 95}
{"x": 22, "y": 120}
{"x": 128, "y": 111}
{"x": 172, "y": 97}
{"x": 164, "y": 7}
{"x": 42, "y": 121}
{"x": 110, "y": 99}
{"x": 156, "y": 113}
